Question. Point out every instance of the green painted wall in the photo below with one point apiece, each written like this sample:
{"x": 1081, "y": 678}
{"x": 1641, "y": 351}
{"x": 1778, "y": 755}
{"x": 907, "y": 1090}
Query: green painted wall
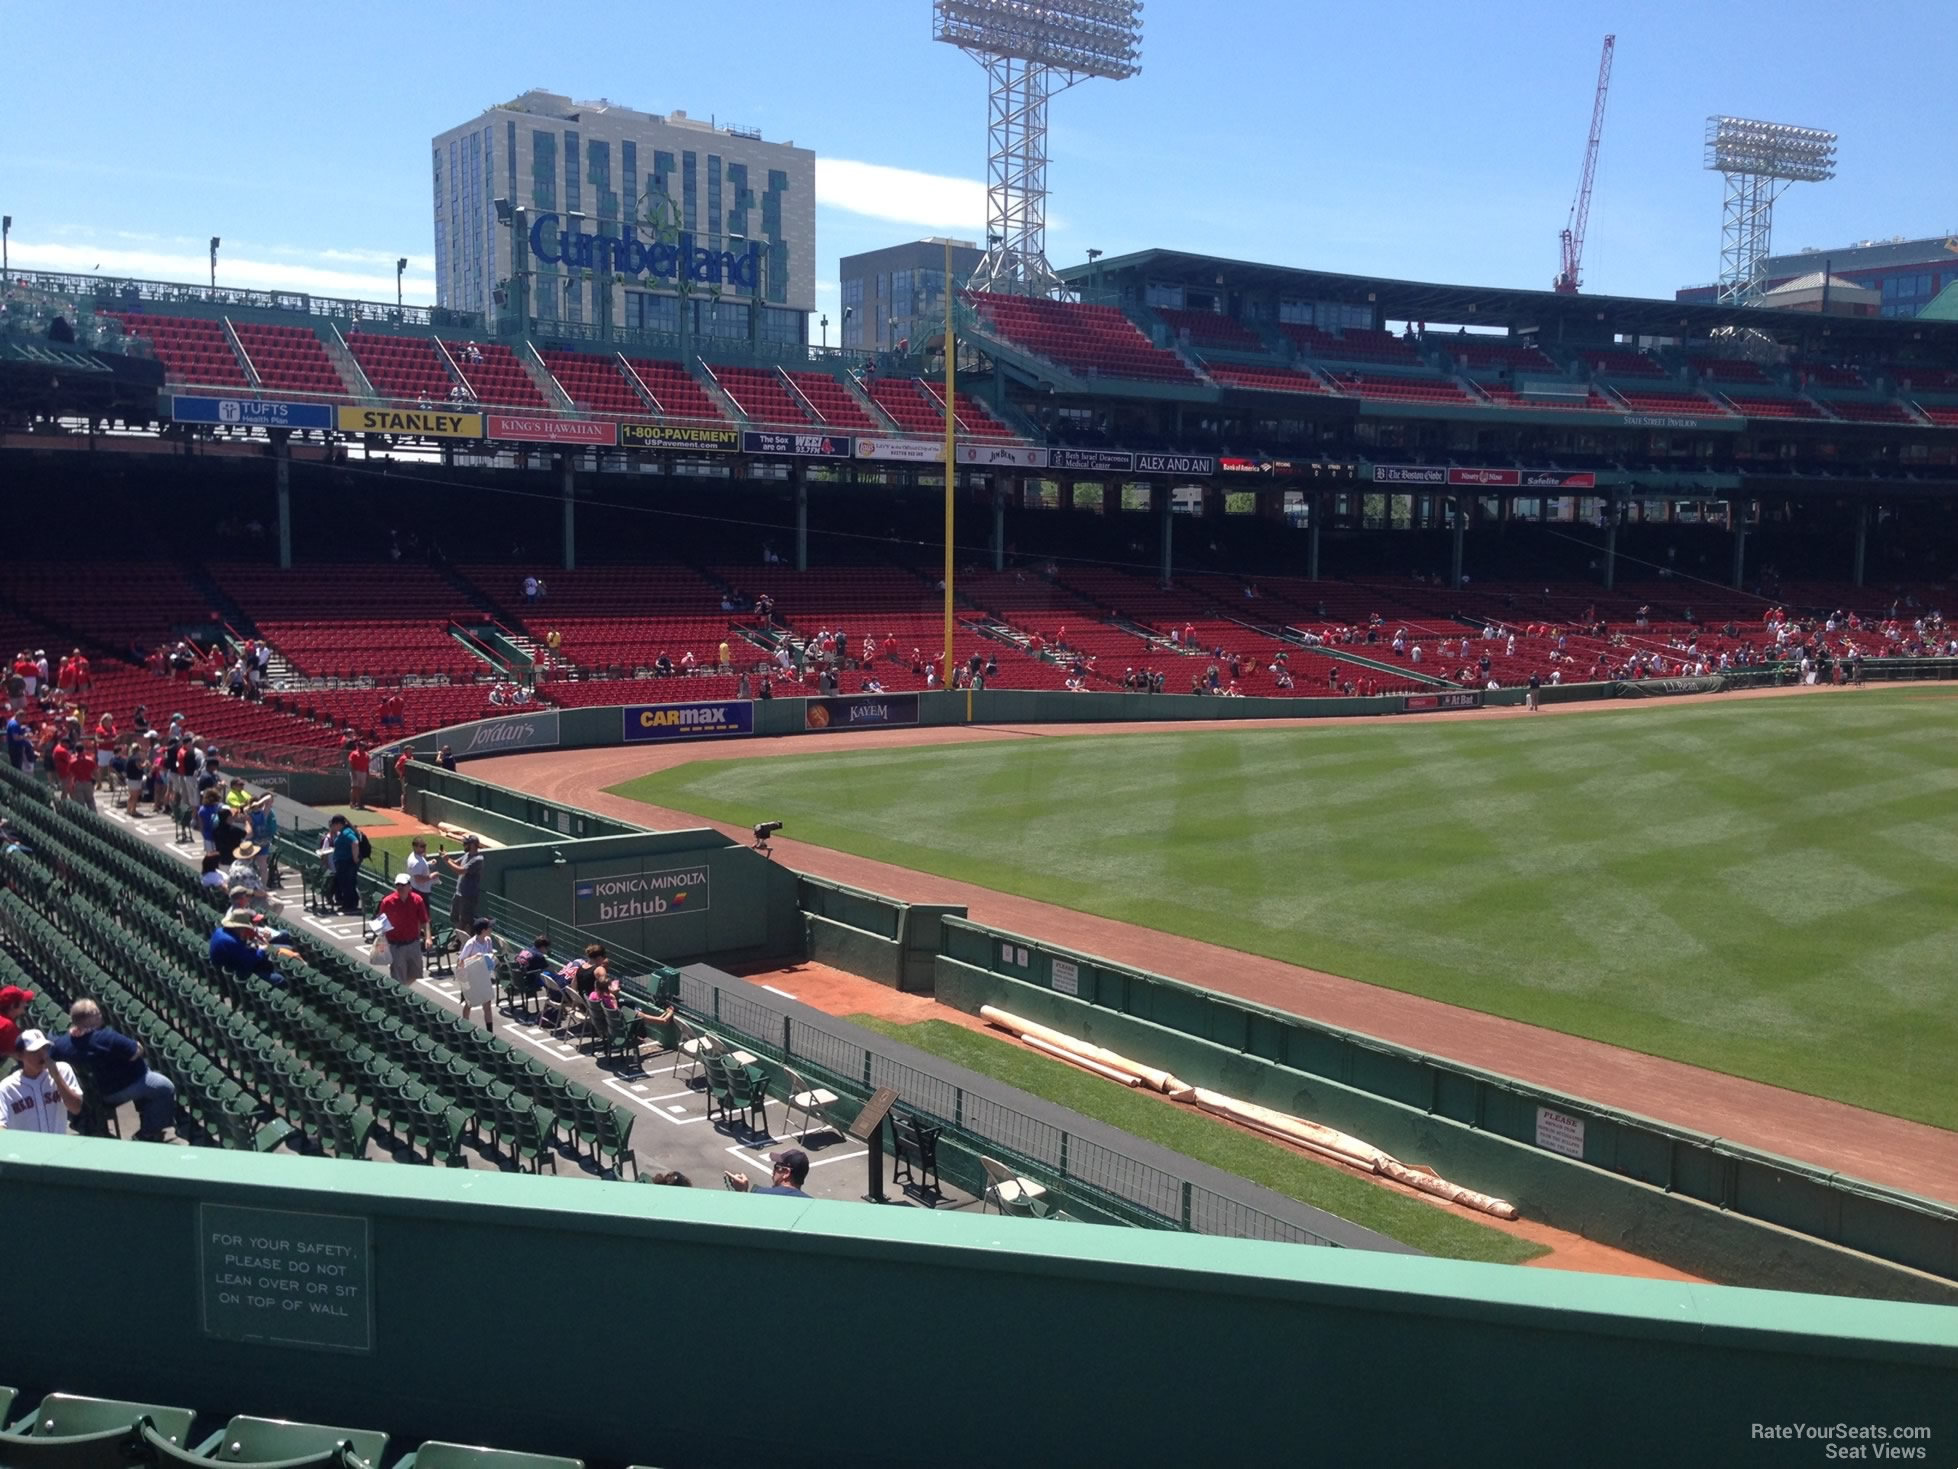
{"x": 1587, "y": 1198}
{"x": 746, "y": 908}
{"x": 981, "y": 1338}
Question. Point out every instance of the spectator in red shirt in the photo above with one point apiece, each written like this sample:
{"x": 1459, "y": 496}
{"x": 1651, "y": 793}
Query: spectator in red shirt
{"x": 61, "y": 759}
{"x": 404, "y": 918}
{"x": 13, "y": 1002}
{"x": 357, "y": 765}
{"x": 81, "y": 775}
{"x": 401, "y": 764}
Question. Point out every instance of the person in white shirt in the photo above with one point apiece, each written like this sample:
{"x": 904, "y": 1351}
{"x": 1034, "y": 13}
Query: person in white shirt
{"x": 476, "y": 972}
{"x": 43, "y": 1094}
{"x": 421, "y": 872}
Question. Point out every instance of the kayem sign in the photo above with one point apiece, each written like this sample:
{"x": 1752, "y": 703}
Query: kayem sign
{"x": 678, "y": 436}
{"x": 905, "y": 451}
{"x": 646, "y": 723}
{"x": 251, "y": 412}
{"x": 631, "y": 896}
{"x": 419, "y": 423}
{"x": 860, "y": 712}
{"x": 553, "y": 430}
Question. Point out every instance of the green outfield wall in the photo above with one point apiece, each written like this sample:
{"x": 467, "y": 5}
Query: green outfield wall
{"x": 406, "y": 1299}
{"x": 1704, "y": 1204}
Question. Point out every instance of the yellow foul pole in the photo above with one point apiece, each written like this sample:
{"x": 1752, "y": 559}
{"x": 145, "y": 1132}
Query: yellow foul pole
{"x": 951, "y": 462}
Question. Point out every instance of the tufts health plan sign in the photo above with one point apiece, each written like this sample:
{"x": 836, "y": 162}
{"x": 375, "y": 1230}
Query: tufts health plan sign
{"x": 251, "y": 412}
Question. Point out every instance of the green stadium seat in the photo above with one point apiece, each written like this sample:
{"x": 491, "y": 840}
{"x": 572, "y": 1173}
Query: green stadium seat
{"x": 7, "y": 1396}
{"x": 62, "y": 1415}
{"x": 69, "y": 1432}
{"x": 277, "y": 1442}
{"x": 461, "y": 1456}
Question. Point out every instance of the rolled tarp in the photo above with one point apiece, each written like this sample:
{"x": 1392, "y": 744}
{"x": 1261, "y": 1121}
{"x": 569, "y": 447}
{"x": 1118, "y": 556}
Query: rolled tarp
{"x": 1126, "y": 1078}
{"x": 1348, "y": 1149}
{"x": 1154, "y": 1079}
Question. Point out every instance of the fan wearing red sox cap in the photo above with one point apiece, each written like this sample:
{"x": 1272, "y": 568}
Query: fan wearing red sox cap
{"x": 43, "y": 1094}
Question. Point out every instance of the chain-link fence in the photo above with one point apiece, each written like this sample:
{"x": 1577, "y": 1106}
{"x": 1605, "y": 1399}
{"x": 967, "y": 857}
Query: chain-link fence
{"x": 1128, "y": 1187}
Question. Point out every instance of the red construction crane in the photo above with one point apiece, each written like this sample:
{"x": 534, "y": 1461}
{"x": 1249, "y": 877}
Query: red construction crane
{"x": 1570, "y": 277}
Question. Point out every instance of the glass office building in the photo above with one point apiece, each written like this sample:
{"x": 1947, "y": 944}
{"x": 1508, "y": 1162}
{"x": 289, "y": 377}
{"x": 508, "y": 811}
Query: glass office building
{"x": 693, "y": 198}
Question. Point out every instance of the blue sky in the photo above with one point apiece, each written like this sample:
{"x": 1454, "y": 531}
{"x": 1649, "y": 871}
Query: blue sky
{"x": 1420, "y": 140}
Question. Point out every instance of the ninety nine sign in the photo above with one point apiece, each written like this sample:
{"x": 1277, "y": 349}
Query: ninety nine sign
{"x": 645, "y": 723}
{"x": 631, "y": 896}
{"x": 251, "y": 412}
{"x": 296, "y": 1280}
{"x": 553, "y": 430}
{"x": 420, "y": 423}
{"x": 1200, "y": 464}
{"x": 803, "y": 446}
{"x": 1486, "y": 478}
{"x": 909, "y": 451}
{"x": 1003, "y": 456}
{"x": 678, "y": 436}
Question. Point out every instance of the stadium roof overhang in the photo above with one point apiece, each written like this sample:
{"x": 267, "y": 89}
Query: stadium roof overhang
{"x": 1578, "y": 318}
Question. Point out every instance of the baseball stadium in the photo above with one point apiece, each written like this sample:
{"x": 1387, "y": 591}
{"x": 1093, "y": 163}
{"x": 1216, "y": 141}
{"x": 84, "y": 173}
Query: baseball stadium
{"x": 1191, "y": 817}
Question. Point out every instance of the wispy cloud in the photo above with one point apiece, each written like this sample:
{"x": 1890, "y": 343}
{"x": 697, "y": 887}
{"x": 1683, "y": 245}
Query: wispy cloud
{"x": 264, "y": 267}
{"x": 935, "y": 200}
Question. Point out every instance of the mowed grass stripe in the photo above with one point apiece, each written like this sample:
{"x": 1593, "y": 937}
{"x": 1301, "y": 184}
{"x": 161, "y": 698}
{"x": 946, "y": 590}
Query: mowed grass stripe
{"x": 1763, "y": 887}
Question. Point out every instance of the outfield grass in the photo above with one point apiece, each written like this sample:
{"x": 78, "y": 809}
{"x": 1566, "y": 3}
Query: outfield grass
{"x": 1763, "y": 887}
{"x": 1194, "y": 1135}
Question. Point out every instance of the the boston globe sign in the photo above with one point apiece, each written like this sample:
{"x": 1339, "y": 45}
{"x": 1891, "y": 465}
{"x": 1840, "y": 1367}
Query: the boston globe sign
{"x": 675, "y": 259}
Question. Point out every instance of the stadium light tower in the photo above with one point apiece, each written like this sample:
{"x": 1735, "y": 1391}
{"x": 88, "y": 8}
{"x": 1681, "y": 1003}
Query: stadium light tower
{"x": 1758, "y": 160}
{"x": 1031, "y": 49}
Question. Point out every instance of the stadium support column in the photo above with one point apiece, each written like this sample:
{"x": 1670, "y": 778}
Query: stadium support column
{"x": 567, "y": 490}
{"x": 1312, "y": 529}
{"x": 1740, "y": 545}
{"x": 1458, "y": 529}
{"x": 282, "y": 479}
{"x": 1862, "y": 538}
{"x": 1001, "y": 489}
{"x": 1165, "y": 529}
{"x": 1610, "y": 541}
{"x": 801, "y": 517}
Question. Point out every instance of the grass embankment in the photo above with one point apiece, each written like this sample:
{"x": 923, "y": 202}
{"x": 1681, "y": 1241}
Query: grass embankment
{"x": 1326, "y": 1186}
